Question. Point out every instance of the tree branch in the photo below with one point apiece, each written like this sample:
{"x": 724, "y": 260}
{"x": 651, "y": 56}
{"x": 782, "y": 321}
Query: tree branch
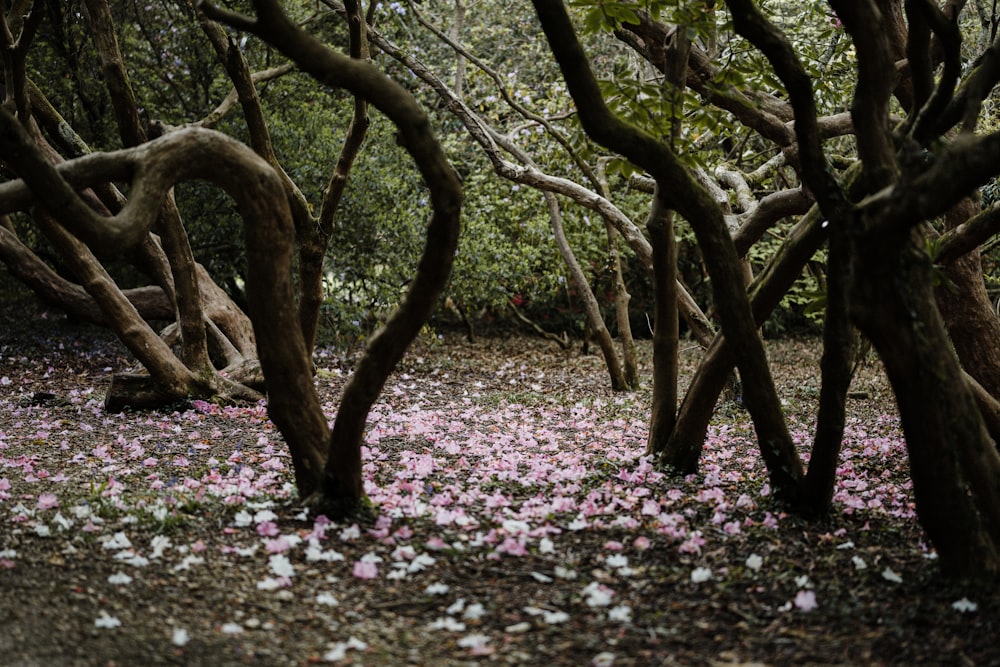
{"x": 750, "y": 23}
{"x": 685, "y": 195}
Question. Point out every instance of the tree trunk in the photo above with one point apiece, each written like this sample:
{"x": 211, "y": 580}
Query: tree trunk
{"x": 954, "y": 464}
{"x": 666, "y": 340}
{"x": 837, "y": 365}
{"x": 591, "y": 308}
{"x": 683, "y": 448}
{"x": 630, "y": 363}
{"x": 972, "y": 323}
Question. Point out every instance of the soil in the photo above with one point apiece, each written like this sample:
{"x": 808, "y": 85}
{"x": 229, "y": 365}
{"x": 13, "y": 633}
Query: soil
{"x": 519, "y": 524}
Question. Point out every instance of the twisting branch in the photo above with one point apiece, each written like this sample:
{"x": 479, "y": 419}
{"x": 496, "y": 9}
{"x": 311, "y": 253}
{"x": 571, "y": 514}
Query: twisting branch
{"x": 966, "y": 105}
{"x": 313, "y": 244}
{"x": 682, "y": 193}
{"x": 113, "y": 70}
{"x": 968, "y": 236}
{"x": 750, "y": 23}
{"x": 765, "y": 113}
{"x": 246, "y": 92}
{"x": 927, "y": 126}
{"x": 966, "y": 163}
{"x": 745, "y": 201}
{"x": 194, "y": 348}
{"x": 492, "y": 140}
{"x": 522, "y": 110}
{"x": 340, "y": 488}
{"x": 215, "y": 116}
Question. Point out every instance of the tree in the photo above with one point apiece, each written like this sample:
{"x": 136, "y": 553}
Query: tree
{"x": 869, "y": 182}
{"x": 327, "y": 463}
{"x": 879, "y": 271}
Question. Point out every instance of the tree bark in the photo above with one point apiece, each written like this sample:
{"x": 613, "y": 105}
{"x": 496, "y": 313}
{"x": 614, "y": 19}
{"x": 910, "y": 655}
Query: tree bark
{"x": 689, "y": 199}
{"x": 666, "y": 335}
{"x": 591, "y": 308}
{"x": 953, "y": 461}
{"x": 973, "y": 325}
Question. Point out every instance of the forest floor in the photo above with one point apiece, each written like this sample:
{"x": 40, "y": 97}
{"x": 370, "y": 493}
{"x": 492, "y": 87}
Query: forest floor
{"x": 519, "y": 523}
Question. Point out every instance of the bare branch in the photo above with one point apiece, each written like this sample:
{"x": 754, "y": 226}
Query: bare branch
{"x": 968, "y": 236}
{"x": 927, "y": 126}
{"x": 771, "y": 209}
{"x": 491, "y": 141}
{"x": 953, "y": 173}
{"x": 523, "y": 111}
{"x": 745, "y": 200}
{"x": 216, "y": 115}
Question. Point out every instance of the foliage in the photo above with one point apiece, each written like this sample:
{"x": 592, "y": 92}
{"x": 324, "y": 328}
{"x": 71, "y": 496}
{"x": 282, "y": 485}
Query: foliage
{"x": 508, "y": 253}
{"x": 376, "y": 241}
{"x": 506, "y": 250}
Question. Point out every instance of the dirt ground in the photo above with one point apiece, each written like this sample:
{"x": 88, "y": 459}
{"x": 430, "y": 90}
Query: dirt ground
{"x": 519, "y": 523}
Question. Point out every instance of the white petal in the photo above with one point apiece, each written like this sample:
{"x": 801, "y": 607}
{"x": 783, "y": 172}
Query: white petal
{"x": 889, "y": 575}
{"x": 700, "y": 574}
{"x": 965, "y": 605}
{"x": 107, "y": 621}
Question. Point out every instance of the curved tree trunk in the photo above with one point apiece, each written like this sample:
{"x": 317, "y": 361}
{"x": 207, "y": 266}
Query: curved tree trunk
{"x": 689, "y": 199}
{"x": 339, "y": 490}
{"x": 223, "y": 333}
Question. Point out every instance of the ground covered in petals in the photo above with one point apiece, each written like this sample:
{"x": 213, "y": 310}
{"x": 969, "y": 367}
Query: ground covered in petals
{"x": 519, "y": 522}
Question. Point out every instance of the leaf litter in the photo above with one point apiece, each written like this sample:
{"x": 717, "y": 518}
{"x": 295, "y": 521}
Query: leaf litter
{"x": 519, "y": 522}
